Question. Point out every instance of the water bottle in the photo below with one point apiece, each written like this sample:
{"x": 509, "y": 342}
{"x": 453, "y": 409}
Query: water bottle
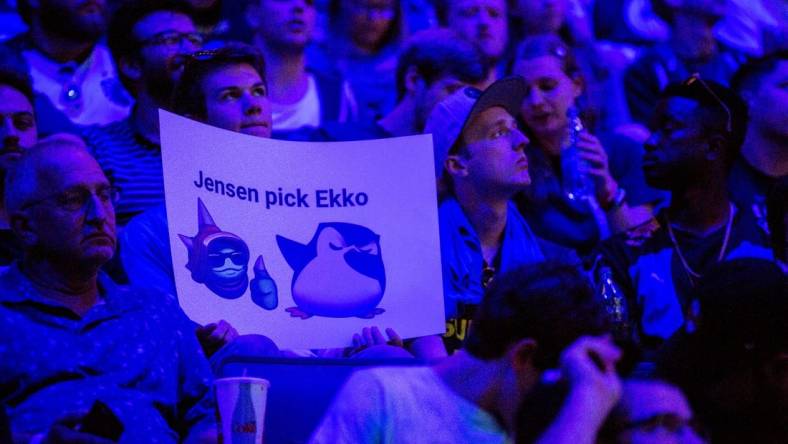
{"x": 575, "y": 180}
{"x": 614, "y": 301}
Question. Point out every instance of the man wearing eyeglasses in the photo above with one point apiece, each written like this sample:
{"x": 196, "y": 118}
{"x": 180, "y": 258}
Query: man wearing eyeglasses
{"x": 70, "y": 335}
{"x": 150, "y": 41}
{"x": 697, "y": 132}
{"x": 69, "y": 64}
{"x": 651, "y": 411}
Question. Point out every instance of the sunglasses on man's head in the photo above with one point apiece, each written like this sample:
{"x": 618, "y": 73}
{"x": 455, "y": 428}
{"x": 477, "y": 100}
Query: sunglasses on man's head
{"x": 695, "y": 79}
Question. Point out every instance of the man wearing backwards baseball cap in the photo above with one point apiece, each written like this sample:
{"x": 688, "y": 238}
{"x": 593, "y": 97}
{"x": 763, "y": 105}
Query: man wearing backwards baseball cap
{"x": 480, "y": 157}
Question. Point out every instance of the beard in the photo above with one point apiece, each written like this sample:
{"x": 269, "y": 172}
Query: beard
{"x": 160, "y": 84}
{"x": 70, "y": 24}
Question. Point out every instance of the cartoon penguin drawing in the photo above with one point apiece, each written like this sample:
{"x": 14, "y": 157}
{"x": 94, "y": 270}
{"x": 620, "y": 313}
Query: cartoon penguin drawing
{"x": 338, "y": 274}
{"x": 217, "y": 258}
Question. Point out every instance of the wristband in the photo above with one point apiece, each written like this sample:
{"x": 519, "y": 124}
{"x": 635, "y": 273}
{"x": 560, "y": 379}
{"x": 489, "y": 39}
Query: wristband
{"x": 617, "y": 200}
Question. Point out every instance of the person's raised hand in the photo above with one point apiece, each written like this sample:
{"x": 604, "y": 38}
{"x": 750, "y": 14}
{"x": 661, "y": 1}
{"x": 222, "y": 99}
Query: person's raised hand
{"x": 592, "y": 151}
{"x": 589, "y": 367}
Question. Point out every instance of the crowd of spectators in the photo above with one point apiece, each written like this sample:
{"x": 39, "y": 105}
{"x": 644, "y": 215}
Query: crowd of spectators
{"x": 653, "y": 308}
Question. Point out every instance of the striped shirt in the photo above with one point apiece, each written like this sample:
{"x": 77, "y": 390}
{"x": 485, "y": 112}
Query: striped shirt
{"x": 131, "y": 162}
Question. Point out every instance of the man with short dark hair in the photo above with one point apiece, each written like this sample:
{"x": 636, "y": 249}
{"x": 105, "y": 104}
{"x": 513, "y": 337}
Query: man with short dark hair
{"x": 18, "y": 132}
{"x": 150, "y": 42}
{"x": 525, "y": 322}
{"x": 691, "y": 47}
{"x": 698, "y": 129}
{"x": 651, "y": 411}
{"x": 432, "y": 65}
{"x": 282, "y": 29}
{"x": 63, "y": 53}
{"x": 764, "y": 154}
{"x": 224, "y": 87}
{"x": 484, "y": 23}
{"x": 72, "y": 336}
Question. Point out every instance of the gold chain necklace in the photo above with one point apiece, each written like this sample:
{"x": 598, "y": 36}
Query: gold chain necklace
{"x": 692, "y": 273}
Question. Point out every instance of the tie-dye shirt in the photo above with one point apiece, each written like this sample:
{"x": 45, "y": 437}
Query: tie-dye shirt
{"x": 135, "y": 350}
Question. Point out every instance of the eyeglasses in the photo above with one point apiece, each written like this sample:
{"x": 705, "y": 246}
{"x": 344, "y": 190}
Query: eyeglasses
{"x": 77, "y": 199}
{"x": 216, "y": 260}
{"x": 174, "y": 39}
{"x": 695, "y": 78}
{"x": 668, "y": 422}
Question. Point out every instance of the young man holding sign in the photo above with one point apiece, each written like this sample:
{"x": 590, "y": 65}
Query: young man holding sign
{"x": 226, "y": 88}
{"x": 479, "y": 152}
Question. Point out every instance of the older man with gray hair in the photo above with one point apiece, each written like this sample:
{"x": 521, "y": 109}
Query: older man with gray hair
{"x": 73, "y": 339}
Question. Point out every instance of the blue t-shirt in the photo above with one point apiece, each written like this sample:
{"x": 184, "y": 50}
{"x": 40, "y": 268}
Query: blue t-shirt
{"x": 658, "y": 287}
{"x": 463, "y": 263}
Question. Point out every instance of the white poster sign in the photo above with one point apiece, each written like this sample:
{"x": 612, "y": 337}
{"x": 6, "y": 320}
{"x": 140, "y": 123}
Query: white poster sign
{"x": 303, "y": 242}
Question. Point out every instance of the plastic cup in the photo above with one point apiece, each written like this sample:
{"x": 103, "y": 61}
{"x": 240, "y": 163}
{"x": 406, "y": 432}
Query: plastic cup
{"x": 240, "y": 404}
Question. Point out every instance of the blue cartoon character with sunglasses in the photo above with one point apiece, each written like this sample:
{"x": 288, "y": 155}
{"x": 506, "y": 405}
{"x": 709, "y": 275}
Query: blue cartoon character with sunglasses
{"x": 220, "y": 260}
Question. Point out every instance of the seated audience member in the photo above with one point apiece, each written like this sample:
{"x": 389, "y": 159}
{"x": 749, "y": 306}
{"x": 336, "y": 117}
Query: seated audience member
{"x": 777, "y": 211}
{"x": 733, "y": 365}
{"x": 480, "y": 153}
{"x": 225, "y": 87}
{"x": 432, "y": 65}
{"x": 697, "y": 131}
{"x": 72, "y": 336}
{"x": 18, "y": 132}
{"x": 299, "y": 97}
{"x": 651, "y": 411}
{"x": 601, "y": 66}
{"x": 619, "y": 197}
{"x": 690, "y": 48}
{"x": 361, "y": 43}
{"x": 150, "y": 40}
{"x": 529, "y": 316}
{"x": 483, "y": 23}
{"x": 764, "y": 156}
{"x": 68, "y": 62}
{"x": 570, "y": 406}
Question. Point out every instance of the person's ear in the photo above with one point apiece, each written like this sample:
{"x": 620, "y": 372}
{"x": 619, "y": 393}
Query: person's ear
{"x": 130, "y": 68}
{"x": 412, "y": 79}
{"x": 456, "y": 165}
{"x": 717, "y": 145}
{"x": 747, "y": 96}
{"x": 577, "y": 86}
{"x": 20, "y": 224}
{"x": 252, "y": 15}
{"x": 522, "y": 355}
